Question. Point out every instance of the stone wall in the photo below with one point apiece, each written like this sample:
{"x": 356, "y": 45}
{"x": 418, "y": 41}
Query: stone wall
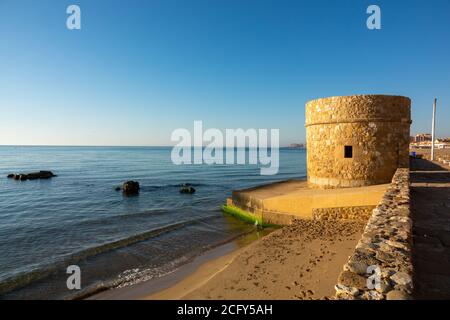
{"x": 376, "y": 127}
{"x": 360, "y": 213}
{"x": 256, "y": 209}
{"x": 381, "y": 267}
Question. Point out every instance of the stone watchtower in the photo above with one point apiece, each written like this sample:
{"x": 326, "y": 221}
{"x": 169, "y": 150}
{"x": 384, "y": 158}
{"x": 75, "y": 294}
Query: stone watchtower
{"x": 355, "y": 141}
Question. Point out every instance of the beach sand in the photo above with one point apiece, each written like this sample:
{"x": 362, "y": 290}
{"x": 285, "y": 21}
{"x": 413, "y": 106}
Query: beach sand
{"x": 300, "y": 261}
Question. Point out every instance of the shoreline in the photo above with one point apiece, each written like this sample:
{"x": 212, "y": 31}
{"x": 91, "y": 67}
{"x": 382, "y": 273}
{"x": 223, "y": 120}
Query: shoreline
{"x": 299, "y": 261}
{"x": 196, "y": 279}
{"x": 203, "y": 266}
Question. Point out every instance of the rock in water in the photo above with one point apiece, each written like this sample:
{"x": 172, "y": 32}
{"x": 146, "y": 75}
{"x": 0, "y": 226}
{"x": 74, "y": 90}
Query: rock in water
{"x": 185, "y": 185}
{"x": 188, "y": 190}
{"x": 32, "y": 175}
{"x": 130, "y": 187}
{"x": 39, "y": 175}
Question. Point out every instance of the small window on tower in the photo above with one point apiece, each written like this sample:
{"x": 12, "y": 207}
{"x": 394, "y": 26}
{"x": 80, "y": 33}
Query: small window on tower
{"x": 348, "y": 152}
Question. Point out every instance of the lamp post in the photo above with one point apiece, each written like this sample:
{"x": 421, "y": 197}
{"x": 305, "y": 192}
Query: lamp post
{"x": 433, "y": 129}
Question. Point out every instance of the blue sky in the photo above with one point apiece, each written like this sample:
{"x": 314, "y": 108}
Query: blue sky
{"x": 137, "y": 70}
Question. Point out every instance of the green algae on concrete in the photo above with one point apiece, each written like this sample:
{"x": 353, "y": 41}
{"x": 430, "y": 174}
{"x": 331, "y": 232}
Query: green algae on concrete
{"x": 246, "y": 216}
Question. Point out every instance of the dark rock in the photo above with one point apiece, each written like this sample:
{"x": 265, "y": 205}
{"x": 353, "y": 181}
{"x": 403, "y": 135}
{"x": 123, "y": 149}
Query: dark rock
{"x": 117, "y": 188}
{"x": 130, "y": 187}
{"x": 39, "y": 175}
{"x": 32, "y": 175}
{"x": 188, "y": 190}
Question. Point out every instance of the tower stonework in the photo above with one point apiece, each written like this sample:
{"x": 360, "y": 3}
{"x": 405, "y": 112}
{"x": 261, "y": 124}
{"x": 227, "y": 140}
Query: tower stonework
{"x": 355, "y": 141}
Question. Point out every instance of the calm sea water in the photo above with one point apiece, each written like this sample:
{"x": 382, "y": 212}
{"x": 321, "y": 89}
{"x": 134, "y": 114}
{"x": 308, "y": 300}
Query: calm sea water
{"x": 78, "y": 217}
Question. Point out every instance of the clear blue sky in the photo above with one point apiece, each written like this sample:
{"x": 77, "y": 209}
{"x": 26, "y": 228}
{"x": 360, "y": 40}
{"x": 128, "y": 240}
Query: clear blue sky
{"x": 137, "y": 70}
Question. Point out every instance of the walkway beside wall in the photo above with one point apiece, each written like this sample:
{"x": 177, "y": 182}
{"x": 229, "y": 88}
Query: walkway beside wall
{"x": 430, "y": 205}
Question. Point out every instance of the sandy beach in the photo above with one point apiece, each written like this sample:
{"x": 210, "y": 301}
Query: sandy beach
{"x": 300, "y": 261}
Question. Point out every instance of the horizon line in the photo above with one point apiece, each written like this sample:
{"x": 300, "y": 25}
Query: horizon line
{"x": 112, "y": 146}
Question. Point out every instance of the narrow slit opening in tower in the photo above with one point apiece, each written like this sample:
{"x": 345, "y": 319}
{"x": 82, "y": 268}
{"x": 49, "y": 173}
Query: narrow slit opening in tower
{"x": 348, "y": 152}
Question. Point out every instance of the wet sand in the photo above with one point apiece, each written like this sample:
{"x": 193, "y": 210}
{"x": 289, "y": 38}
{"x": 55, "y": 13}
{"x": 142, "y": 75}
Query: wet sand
{"x": 301, "y": 261}
{"x": 188, "y": 276}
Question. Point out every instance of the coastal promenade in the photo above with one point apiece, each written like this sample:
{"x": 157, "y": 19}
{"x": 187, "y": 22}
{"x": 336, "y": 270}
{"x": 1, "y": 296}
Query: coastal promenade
{"x": 430, "y": 205}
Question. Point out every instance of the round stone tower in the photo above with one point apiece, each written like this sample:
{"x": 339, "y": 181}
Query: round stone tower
{"x": 355, "y": 141}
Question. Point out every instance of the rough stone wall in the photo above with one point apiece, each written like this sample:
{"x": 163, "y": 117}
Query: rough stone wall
{"x": 375, "y": 126}
{"x": 360, "y": 213}
{"x": 385, "y": 245}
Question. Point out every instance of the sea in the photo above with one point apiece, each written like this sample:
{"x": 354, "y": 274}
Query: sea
{"x": 78, "y": 218}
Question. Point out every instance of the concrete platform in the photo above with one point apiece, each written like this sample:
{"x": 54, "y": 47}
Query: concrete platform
{"x": 280, "y": 203}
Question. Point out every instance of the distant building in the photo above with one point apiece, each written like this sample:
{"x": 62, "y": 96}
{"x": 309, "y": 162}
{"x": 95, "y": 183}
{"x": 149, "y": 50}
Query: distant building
{"x": 442, "y": 143}
{"x": 297, "y": 145}
{"x": 421, "y": 137}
